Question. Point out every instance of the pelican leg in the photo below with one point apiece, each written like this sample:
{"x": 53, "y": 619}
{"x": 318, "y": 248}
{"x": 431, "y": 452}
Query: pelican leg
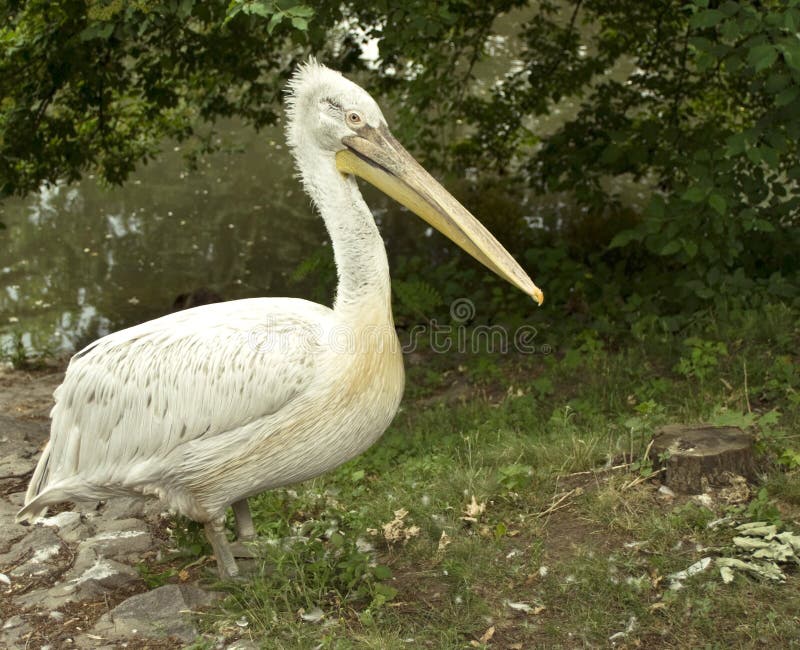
{"x": 245, "y": 531}
{"x": 226, "y": 565}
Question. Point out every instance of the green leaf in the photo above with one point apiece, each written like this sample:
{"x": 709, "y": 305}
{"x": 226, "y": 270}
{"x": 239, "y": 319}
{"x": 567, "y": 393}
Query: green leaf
{"x": 672, "y": 247}
{"x": 303, "y": 11}
{"x": 718, "y": 202}
{"x": 97, "y": 31}
{"x": 790, "y": 48}
{"x": 386, "y": 591}
{"x": 277, "y": 17}
{"x": 624, "y": 238}
{"x": 299, "y": 23}
{"x": 260, "y": 9}
{"x": 762, "y": 57}
{"x": 735, "y": 144}
{"x": 695, "y": 194}
{"x": 706, "y": 18}
{"x": 791, "y": 20}
{"x": 381, "y": 572}
{"x": 787, "y": 96}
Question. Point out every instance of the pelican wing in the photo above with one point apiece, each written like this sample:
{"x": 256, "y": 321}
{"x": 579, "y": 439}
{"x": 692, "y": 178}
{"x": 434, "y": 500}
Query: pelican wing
{"x": 138, "y": 394}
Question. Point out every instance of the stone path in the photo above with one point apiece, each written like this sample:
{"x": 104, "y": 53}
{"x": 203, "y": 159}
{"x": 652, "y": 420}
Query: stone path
{"x": 73, "y": 580}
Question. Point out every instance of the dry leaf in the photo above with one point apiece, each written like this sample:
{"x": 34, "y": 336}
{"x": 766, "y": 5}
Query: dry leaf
{"x": 396, "y": 531}
{"x": 487, "y": 636}
{"x": 183, "y": 575}
{"x": 313, "y": 615}
{"x": 515, "y": 646}
{"x": 520, "y": 607}
{"x": 473, "y": 510}
{"x": 444, "y": 541}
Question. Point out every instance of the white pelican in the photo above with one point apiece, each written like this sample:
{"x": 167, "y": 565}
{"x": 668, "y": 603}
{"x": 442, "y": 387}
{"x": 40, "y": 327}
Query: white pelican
{"x": 205, "y": 407}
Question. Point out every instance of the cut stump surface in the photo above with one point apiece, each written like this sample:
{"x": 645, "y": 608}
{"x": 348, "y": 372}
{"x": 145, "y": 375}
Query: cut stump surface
{"x": 701, "y": 456}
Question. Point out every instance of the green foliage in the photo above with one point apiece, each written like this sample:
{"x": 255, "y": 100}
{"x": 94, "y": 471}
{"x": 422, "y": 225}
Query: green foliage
{"x": 701, "y": 358}
{"x": 98, "y": 86}
{"x": 16, "y": 352}
{"x": 514, "y": 477}
{"x": 153, "y": 578}
{"x": 309, "y": 559}
{"x": 762, "y": 508}
{"x": 276, "y": 12}
{"x": 417, "y": 298}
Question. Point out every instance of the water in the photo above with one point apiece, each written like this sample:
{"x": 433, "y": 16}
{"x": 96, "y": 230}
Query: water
{"x": 83, "y": 260}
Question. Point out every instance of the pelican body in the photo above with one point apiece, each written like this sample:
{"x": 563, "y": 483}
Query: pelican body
{"x": 205, "y": 407}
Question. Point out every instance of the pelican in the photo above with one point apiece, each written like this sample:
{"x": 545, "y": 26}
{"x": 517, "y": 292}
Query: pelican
{"x": 206, "y": 407}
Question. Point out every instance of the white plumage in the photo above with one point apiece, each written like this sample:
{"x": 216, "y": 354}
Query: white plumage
{"x": 205, "y": 407}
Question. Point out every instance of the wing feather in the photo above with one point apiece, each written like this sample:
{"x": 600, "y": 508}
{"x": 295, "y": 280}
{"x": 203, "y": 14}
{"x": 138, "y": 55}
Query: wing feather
{"x": 138, "y": 394}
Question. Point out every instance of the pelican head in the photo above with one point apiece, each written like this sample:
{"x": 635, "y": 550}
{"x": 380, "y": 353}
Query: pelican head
{"x": 332, "y": 116}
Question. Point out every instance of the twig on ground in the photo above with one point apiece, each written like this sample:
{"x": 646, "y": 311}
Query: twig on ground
{"x": 598, "y": 470}
{"x": 559, "y": 502}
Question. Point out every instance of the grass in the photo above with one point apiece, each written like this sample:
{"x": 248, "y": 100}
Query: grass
{"x": 566, "y": 552}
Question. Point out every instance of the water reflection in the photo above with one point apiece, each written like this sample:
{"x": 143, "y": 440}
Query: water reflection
{"x": 83, "y": 260}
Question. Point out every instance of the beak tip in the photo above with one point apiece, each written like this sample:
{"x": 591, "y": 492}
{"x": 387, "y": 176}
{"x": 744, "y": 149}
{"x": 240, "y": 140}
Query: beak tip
{"x": 538, "y": 296}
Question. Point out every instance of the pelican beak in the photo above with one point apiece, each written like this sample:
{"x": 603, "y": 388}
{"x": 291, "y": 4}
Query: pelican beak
{"x": 376, "y": 156}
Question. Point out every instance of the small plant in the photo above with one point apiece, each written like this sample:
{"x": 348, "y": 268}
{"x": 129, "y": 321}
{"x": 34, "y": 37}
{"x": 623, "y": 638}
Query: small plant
{"x": 701, "y": 358}
{"x": 763, "y": 509}
{"x": 153, "y": 578}
{"x": 514, "y": 477}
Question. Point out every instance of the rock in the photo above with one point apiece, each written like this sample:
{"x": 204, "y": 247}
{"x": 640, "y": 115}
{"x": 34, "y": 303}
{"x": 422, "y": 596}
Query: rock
{"x": 16, "y": 499}
{"x": 88, "y": 579}
{"x": 157, "y": 613}
{"x": 702, "y": 456}
{"x": 15, "y": 465}
{"x": 10, "y": 531}
{"x": 39, "y": 540}
{"x": 14, "y": 632}
{"x": 17, "y": 430}
{"x": 242, "y": 644}
{"x": 122, "y": 507}
{"x": 70, "y": 525}
{"x": 45, "y": 561}
{"x": 120, "y": 539}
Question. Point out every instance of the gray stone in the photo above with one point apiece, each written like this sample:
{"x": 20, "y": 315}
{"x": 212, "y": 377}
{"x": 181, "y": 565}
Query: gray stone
{"x": 158, "y": 613}
{"x": 39, "y": 540}
{"x": 122, "y": 508}
{"x": 70, "y": 526}
{"x": 46, "y": 561}
{"x": 10, "y": 531}
{"x": 17, "y": 430}
{"x": 16, "y": 499}
{"x": 16, "y": 465}
{"x": 89, "y": 579}
{"x": 14, "y": 633}
{"x": 120, "y": 539}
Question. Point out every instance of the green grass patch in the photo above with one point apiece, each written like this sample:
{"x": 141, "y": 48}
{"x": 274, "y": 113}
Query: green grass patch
{"x": 567, "y": 542}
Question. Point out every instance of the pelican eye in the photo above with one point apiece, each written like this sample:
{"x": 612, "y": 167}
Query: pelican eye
{"x": 354, "y": 118}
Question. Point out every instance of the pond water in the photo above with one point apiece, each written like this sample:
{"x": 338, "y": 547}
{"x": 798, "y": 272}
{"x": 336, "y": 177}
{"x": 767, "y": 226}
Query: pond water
{"x": 83, "y": 260}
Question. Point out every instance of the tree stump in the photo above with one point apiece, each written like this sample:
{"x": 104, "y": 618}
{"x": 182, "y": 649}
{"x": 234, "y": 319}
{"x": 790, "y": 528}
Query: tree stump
{"x": 702, "y": 456}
